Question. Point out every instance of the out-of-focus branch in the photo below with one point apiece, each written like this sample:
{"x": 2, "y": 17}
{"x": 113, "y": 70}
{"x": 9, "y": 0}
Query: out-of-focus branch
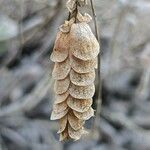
{"x": 30, "y": 101}
{"x": 122, "y": 120}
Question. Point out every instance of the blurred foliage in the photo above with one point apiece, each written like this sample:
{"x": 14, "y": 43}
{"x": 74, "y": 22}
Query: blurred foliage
{"x": 8, "y": 28}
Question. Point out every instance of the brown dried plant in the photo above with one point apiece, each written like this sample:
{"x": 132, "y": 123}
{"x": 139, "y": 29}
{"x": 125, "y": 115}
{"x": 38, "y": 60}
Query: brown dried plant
{"x": 75, "y": 56}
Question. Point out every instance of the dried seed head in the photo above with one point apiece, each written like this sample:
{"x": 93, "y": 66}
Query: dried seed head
{"x": 83, "y": 42}
{"x": 75, "y": 56}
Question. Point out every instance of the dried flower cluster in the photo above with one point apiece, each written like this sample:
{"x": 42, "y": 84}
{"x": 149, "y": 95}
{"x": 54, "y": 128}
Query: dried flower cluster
{"x": 75, "y": 56}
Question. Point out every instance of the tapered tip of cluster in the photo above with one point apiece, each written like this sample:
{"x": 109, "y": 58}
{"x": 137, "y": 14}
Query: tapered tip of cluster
{"x": 75, "y": 56}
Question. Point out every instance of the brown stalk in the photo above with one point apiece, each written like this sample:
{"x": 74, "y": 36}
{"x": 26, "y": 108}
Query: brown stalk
{"x": 74, "y": 13}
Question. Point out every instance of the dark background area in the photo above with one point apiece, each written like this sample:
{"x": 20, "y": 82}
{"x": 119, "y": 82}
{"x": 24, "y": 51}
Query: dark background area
{"x": 27, "y": 32}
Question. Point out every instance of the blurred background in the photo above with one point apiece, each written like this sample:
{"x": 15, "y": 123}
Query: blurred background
{"x": 27, "y": 32}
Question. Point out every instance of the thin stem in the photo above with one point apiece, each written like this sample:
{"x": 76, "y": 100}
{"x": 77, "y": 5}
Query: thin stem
{"x": 21, "y": 36}
{"x": 76, "y": 11}
{"x": 99, "y": 86}
{"x": 69, "y": 16}
{"x": 95, "y": 20}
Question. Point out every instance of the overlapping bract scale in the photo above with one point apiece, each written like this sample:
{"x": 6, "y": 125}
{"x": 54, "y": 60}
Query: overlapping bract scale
{"x": 75, "y": 56}
{"x": 76, "y": 135}
{"x": 61, "y": 48}
{"x": 61, "y": 69}
{"x": 85, "y": 115}
{"x": 84, "y": 44}
{"x": 61, "y": 97}
{"x": 61, "y": 86}
{"x": 81, "y": 66}
{"x": 64, "y": 135}
{"x": 57, "y": 116}
{"x": 62, "y": 124}
{"x": 79, "y": 105}
{"x": 82, "y": 92}
{"x": 58, "y": 108}
{"x": 82, "y": 79}
{"x": 74, "y": 122}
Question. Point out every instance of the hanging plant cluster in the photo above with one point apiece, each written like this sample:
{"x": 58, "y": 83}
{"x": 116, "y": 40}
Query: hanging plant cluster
{"x": 75, "y": 55}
